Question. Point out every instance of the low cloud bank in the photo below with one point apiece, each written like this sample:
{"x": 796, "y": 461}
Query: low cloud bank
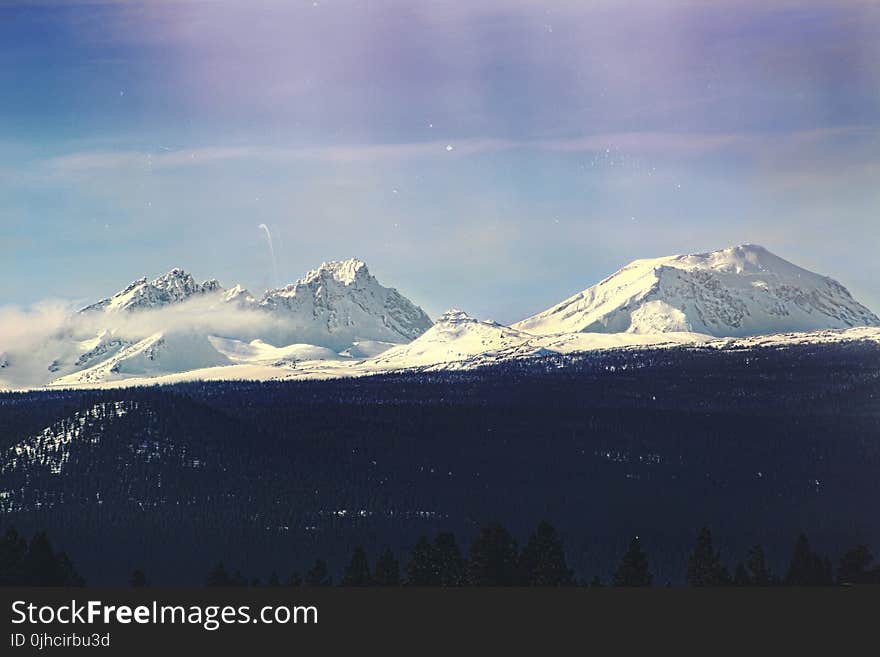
{"x": 40, "y": 342}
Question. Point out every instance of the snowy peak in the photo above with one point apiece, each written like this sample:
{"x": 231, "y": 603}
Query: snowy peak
{"x": 455, "y": 337}
{"x": 455, "y": 316}
{"x": 735, "y": 292}
{"x": 335, "y": 274}
{"x": 346, "y": 272}
{"x": 240, "y": 296}
{"x": 173, "y": 287}
{"x": 340, "y": 302}
{"x": 744, "y": 259}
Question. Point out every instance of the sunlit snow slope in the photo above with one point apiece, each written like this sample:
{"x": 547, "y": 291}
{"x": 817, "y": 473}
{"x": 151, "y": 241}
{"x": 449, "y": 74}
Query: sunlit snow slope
{"x": 740, "y": 291}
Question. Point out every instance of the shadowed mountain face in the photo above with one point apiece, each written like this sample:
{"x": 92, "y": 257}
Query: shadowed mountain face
{"x": 760, "y": 443}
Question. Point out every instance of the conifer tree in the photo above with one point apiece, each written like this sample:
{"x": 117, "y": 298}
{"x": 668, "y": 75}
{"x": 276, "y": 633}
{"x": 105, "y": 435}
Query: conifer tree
{"x": 358, "y": 571}
{"x": 493, "y": 558}
{"x": 294, "y": 580}
{"x": 67, "y": 573}
{"x": 633, "y": 569}
{"x": 40, "y": 564}
{"x": 319, "y": 575}
{"x": 808, "y": 568}
{"x": 138, "y": 580}
{"x": 741, "y": 576}
{"x": 422, "y": 569}
{"x": 218, "y": 576}
{"x": 542, "y": 562}
{"x": 854, "y": 565}
{"x": 704, "y": 566}
{"x": 274, "y": 580}
{"x": 387, "y": 570}
{"x": 12, "y": 552}
{"x": 451, "y": 566}
{"x": 756, "y": 566}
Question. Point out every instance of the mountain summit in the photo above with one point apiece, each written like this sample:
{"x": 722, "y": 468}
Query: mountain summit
{"x": 173, "y": 287}
{"x": 736, "y": 292}
{"x": 338, "y": 320}
{"x": 341, "y": 302}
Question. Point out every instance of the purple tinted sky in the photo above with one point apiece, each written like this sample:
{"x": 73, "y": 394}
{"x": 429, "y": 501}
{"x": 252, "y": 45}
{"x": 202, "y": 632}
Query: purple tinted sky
{"x": 139, "y": 136}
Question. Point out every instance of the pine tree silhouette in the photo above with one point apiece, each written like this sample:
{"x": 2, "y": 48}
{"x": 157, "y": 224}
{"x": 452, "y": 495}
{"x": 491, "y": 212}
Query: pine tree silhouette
{"x": 13, "y": 549}
{"x": 41, "y": 566}
{"x": 319, "y": 575}
{"x": 704, "y": 566}
{"x": 808, "y": 568}
{"x": 493, "y": 559}
{"x": 294, "y": 580}
{"x": 218, "y": 576}
{"x": 422, "y": 569}
{"x": 387, "y": 570}
{"x": 633, "y": 569}
{"x": 542, "y": 562}
{"x": 39, "y": 563}
{"x": 67, "y": 573}
{"x": 450, "y": 564}
{"x": 854, "y": 565}
{"x": 138, "y": 580}
{"x": 757, "y": 568}
{"x": 358, "y": 571}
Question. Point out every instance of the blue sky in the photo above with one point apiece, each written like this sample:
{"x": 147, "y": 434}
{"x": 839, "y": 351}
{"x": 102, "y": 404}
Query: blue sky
{"x": 496, "y": 157}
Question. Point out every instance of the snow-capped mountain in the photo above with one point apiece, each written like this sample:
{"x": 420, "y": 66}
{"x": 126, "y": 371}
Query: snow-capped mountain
{"x": 174, "y": 287}
{"x": 454, "y": 337}
{"x": 339, "y": 321}
{"x": 740, "y": 291}
{"x": 340, "y": 303}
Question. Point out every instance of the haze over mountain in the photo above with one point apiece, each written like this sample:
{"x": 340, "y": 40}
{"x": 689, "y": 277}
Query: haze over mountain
{"x": 338, "y": 320}
{"x": 334, "y": 305}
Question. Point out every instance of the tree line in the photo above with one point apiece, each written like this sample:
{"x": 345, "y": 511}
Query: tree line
{"x": 281, "y": 472}
{"x": 494, "y": 559}
{"x": 34, "y": 562}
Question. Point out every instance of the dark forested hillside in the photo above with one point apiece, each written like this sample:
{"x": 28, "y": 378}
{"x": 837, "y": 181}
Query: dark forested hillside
{"x": 759, "y": 444}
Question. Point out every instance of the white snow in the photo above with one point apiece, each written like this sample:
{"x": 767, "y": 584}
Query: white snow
{"x": 338, "y": 321}
{"x": 173, "y": 287}
{"x": 739, "y": 291}
{"x": 341, "y": 303}
{"x": 260, "y": 352}
{"x": 445, "y": 355}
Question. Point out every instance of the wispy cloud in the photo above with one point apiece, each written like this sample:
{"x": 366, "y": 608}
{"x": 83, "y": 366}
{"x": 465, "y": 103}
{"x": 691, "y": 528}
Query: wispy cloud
{"x": 641, "y": 142}
{"x": 674, "y": 144}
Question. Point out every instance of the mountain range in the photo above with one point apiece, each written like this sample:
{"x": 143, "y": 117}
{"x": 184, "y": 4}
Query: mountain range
{"x": 338, "y": 320}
